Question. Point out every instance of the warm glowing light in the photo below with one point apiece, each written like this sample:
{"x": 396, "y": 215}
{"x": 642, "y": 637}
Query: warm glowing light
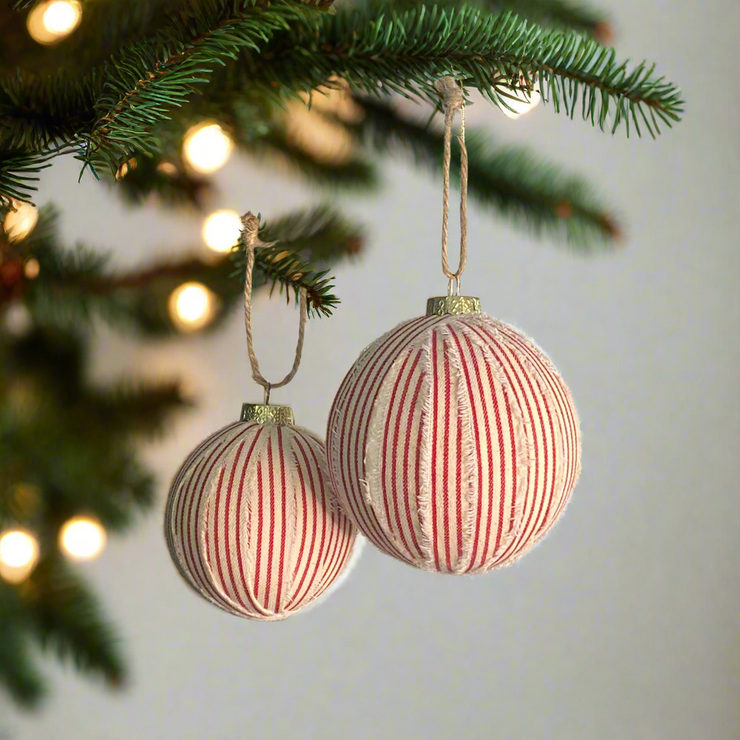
{"x": 325, "y": 140}
{"x": 192, "y": 306}
{"x": 32, "y": 268}
{"x": 17, "y": 320}
{"x": 19, "y": 553}
{"x": 207, "y": 147}
{"x": 221, "y": 230}
{"x": 82, "y": 538}
{"x": 53, "y": 20}
{"x": 522, "y": 100}
{"x": 20, "y": 222}
{"x": 167, "y": 168}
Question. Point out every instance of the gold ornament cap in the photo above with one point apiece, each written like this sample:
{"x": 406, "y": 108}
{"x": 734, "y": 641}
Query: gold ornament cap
{"x": 452, "y": 305}
{"x": 265, "y": 413}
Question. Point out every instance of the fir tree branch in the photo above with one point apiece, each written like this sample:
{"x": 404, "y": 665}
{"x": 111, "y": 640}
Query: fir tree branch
{"x": 17, "y": 672}
{"x": 320, "y": 235}
{"x": 67, "y": 619}
{"x": 509, "y": 179}
{"x": 407, "y": 52}
{"x": 75, "y": 285}
{"x": 353, "y": 172}
{"x": 137, "y": 408}
{"x": 149, "y": 79}
{"x": 142, "y": 177}
{"x": 560, "y": 14}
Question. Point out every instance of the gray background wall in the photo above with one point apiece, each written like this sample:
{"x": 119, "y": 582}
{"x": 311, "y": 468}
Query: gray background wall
{"x": 623, "y": 625}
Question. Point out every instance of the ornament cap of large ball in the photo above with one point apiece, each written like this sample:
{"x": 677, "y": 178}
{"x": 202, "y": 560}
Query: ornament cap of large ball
{"x": 453, "y": 442}
{"x": 251, "y": 521}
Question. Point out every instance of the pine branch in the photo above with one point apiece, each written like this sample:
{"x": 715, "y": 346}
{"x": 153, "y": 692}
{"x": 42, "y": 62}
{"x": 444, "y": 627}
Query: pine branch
{"x": 149, "y": 79}
{"x": 17, "y": 672}
{"x": 73, "y": 286}
{"x": 137, "y": 408}
{"x": 353, "y": 172}
{"x": 405, "y": 53}
{"x": 143, "y": 177}
{"x": 285, "y": 265}
{"x": 560, "y": 14}
{"x": 19, "y": 175}
{"x": 511, "y": 180}
{"x": 320, "y": 235}
{"x": 67, "y": 619}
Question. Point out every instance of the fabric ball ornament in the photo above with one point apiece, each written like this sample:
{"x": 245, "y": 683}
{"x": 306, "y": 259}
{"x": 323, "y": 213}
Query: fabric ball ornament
{"x": 251, "y": 522}
{"x": 453, "y": 442}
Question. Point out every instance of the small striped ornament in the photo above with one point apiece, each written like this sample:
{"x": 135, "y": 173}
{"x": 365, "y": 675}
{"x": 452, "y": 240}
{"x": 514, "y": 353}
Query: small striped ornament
{"x": 453, "y": 443}
{"x": 251, "y": 522}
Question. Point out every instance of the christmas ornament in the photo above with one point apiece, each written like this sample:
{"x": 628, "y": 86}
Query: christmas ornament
{"x": 453, "y": 443}
{"x": 251, "y": 522}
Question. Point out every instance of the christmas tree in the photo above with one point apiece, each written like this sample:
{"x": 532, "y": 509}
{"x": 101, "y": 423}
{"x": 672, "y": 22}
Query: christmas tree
{"x": 150, "y": 96}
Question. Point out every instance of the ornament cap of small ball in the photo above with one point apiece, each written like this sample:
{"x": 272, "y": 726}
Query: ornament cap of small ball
{"x": 452, "y": 305}
{"x": 265, "y": 413}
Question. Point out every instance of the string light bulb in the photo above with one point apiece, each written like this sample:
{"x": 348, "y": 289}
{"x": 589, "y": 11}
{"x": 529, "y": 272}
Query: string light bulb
{"x": 82, "y": 538}
{"x": 521, "y": 99}
{"x": 20, "y": 222}
{"x": 54, "y": 20}
{"x": 192, "y": 306}
{"x": 221, "y": 230}
{"x": 207, "y": 147}
{"x": 19, "y": 553}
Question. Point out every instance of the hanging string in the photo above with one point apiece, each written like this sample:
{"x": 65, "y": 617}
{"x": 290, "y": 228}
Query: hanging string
{"x": 453, "y": 99}
{"x": 250, "y": 239}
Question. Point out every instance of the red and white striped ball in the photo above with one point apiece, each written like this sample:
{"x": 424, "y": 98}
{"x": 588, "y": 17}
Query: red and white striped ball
{"x": 453, "y": 443}
{"x": 252, "y": 524}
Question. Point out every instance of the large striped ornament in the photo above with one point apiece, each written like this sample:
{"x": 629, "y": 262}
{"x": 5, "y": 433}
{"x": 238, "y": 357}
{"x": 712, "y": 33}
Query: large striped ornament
{"x": 453, "y": 443}
{"x": 251, "y": 522}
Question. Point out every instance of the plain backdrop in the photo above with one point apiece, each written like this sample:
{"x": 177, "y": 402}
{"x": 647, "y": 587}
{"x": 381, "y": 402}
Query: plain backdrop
{"x": 623, "y": 624}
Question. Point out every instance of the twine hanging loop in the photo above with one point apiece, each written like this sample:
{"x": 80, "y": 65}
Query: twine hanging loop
{"x": 453, "y": 99}
{"x": 250, "y": 239}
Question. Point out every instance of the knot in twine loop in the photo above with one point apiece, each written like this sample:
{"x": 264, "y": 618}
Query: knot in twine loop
{"x": 453, "y": 98}
{"x": 250, "y": 239}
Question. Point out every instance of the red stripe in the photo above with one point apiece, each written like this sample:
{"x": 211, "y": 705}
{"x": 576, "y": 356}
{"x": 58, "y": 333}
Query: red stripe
{"x": 198, "y": 492}
{"x": 227, "y": 530}
{"x": 460, "y": 487}
{"x": 214, "y": 531}
{"x": 271, "y": 528}
{"x": 404, "y": 334}
{"x": 567, "y": 418}
{"x": 393, "y": 453}
{"x": 478, "y": 453}
{"x": 239, "y": 499}
{"x": 354, "y": 499}
{"x": 406, "y": 448}
{"x": 446, "y": 458}
{"x": 501, "y": 558}
{"x": 305, "y": 526}
{"x": 284, "y": 497}
{"x": 299, "y": 436}
{"x": 403, "y": 337}
{"x": 435, "y": 423}
{"x": 177, "y": 516}
{"x": 514, "y": 545}
{"x": 258, "y": 556}
{"x": 524, "y": 540}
